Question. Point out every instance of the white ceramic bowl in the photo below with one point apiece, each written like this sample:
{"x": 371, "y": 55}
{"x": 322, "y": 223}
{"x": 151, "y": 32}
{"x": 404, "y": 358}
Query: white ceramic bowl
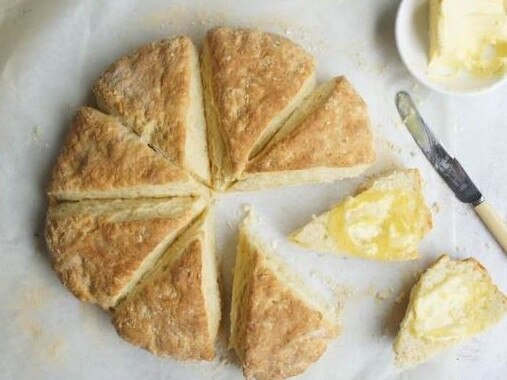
{"x": 412, "y": 40}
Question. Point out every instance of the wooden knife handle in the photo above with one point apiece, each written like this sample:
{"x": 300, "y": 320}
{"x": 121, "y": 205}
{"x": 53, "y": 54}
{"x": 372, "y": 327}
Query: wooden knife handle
{"x": 493, "y": 222}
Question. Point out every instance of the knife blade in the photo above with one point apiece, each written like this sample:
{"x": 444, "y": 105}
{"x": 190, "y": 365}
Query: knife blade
{"x": 449, "y": 168}
{"x": 446, "y": 165}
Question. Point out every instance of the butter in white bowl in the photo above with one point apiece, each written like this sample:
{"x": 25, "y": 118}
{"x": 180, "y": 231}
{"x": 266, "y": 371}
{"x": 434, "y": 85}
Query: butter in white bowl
{"x": 468, "y": 35}
{"x": 456, "y": 47}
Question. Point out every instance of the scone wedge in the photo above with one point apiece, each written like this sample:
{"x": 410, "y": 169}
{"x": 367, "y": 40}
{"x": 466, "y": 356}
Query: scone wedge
{"x": 452, "y": 301}
{"x": 328, "y": 137}
{"x": 385, "y": 221}
{"x": 156, "y": 90}
{"x": 101, "y": 249}
{"x": 175, "y": 310}
{"x": 252, "y": 82}
{"x": 278, "y": 327}
{"x": 101, "y": 158}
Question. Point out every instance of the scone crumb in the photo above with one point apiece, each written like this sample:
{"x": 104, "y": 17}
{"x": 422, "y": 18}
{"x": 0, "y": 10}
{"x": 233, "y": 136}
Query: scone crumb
{"x": 384, "y": 294}
{"x": 37, "y": 138}
{"x": 341, "y": 293}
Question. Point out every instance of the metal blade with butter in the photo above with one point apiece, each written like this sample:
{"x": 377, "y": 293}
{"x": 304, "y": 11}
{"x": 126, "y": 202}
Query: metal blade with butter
{"x": 449, "y": 168}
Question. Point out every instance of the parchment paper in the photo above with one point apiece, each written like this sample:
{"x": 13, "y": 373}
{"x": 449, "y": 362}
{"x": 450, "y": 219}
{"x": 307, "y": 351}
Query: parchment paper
{"x": 51, "y": 52}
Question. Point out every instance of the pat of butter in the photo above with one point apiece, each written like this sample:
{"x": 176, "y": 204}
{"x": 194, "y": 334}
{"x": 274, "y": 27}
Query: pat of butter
{"x": 452, "y": 308}
{"x": 469, "y": 35}
{"x": 382, "y": 224}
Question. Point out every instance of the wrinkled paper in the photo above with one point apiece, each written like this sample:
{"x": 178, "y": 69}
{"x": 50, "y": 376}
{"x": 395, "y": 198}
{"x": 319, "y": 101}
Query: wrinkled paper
{"x": 50, "y": 54}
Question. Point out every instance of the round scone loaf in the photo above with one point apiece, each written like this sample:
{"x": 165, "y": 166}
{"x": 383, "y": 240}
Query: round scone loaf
{"x": 129, "y": 225}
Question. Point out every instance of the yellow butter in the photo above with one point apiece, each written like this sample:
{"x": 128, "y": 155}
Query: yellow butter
{"x": 452, "y": 301}
{"x": 382, "y": 224}
{"x": 469, "y": 35}
{"x": 454, "y": 307}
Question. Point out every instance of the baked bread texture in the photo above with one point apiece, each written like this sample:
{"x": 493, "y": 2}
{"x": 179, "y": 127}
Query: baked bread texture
{"x": 278, "y": 327}
{"x": 100, "y": 249}
{"x": 101, "y": 158}
{"x": 328, "y": 137}
{"x": 129, "y": 225}
{"x": 452, "y": 301}
{"x": 252, "y": 82}
{"x": 175, "y": 310}
{"x": 157, "y": 91}
{"x": 385, "y": 221}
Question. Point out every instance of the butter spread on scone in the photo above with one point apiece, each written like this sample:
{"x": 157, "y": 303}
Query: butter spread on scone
{"x": 386, "y": 221}
{"x": 452, "y": 301}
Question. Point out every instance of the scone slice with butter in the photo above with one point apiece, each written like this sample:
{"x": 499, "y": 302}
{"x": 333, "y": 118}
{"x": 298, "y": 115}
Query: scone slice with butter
{"x": 386, "y": 221}
{"x": 328, "y": 137}
{"x": 156, "y": 90}
{"x": 101, "y": 158}
{"x": 252, "y": 82}
{"x": 175, "y": 310}
{"x": 101, "y": 249}
{"x": 278, "y": 326}
{"x": 452, "y": 301}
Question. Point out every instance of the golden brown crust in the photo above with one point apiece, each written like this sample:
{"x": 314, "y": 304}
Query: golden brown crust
{"x": 101, "y": 155}
{"x": 254, "y": 76}
{"x": 278, "y": 335}
{"x": 95, "y": 253}
{"x": 336, "y": 134}
{"x": 150, "y": 90}
{"x": 167, "y": 314}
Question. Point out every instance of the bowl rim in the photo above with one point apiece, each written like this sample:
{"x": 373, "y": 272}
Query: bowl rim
{"x": 423, "y": 79}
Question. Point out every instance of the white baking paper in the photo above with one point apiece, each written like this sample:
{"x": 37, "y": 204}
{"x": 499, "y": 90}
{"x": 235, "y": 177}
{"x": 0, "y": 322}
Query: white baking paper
{"x": 51, "y": 52}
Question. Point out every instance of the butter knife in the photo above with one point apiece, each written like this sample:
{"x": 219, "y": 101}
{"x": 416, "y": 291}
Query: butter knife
{"x": 449, "y": 168}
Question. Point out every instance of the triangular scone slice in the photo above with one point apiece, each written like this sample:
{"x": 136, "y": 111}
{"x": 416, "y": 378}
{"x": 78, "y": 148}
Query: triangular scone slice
{"x": 328, "y": 137}
{"x": 100, "y": 249}
{"x": 101, "y": 158}
{"x": 252, "y": 82}
{"x": 175, "y": 310}
{"x": 452, "y": 301}
{"x": 386, "y": 221}
{"x": 157, "y": 91}
{"x": 278, "y": 327}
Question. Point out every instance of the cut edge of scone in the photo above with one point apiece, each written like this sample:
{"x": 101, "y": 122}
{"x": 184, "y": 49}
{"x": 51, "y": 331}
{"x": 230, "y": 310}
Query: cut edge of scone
{"x": 315, "y": 234}
{"x": 70, "y": 269}
{"x": 220, "y": 163}
{"x": 198, "y": 204}
{"x": 224, "y": 168}
{"x": 257, "y": 266}
{"x": 306, "y": 89}
{"x": 196, "y": 143}
{"x": 101, "y": 158}
{"x": 264, "y": 181}
{"x": 320, "y": 107}
{"x": 116, "y": 95}
{"x": 410, "y": 349}
{"x": 165, "y": 313}
{"x": 311, "y": 103}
